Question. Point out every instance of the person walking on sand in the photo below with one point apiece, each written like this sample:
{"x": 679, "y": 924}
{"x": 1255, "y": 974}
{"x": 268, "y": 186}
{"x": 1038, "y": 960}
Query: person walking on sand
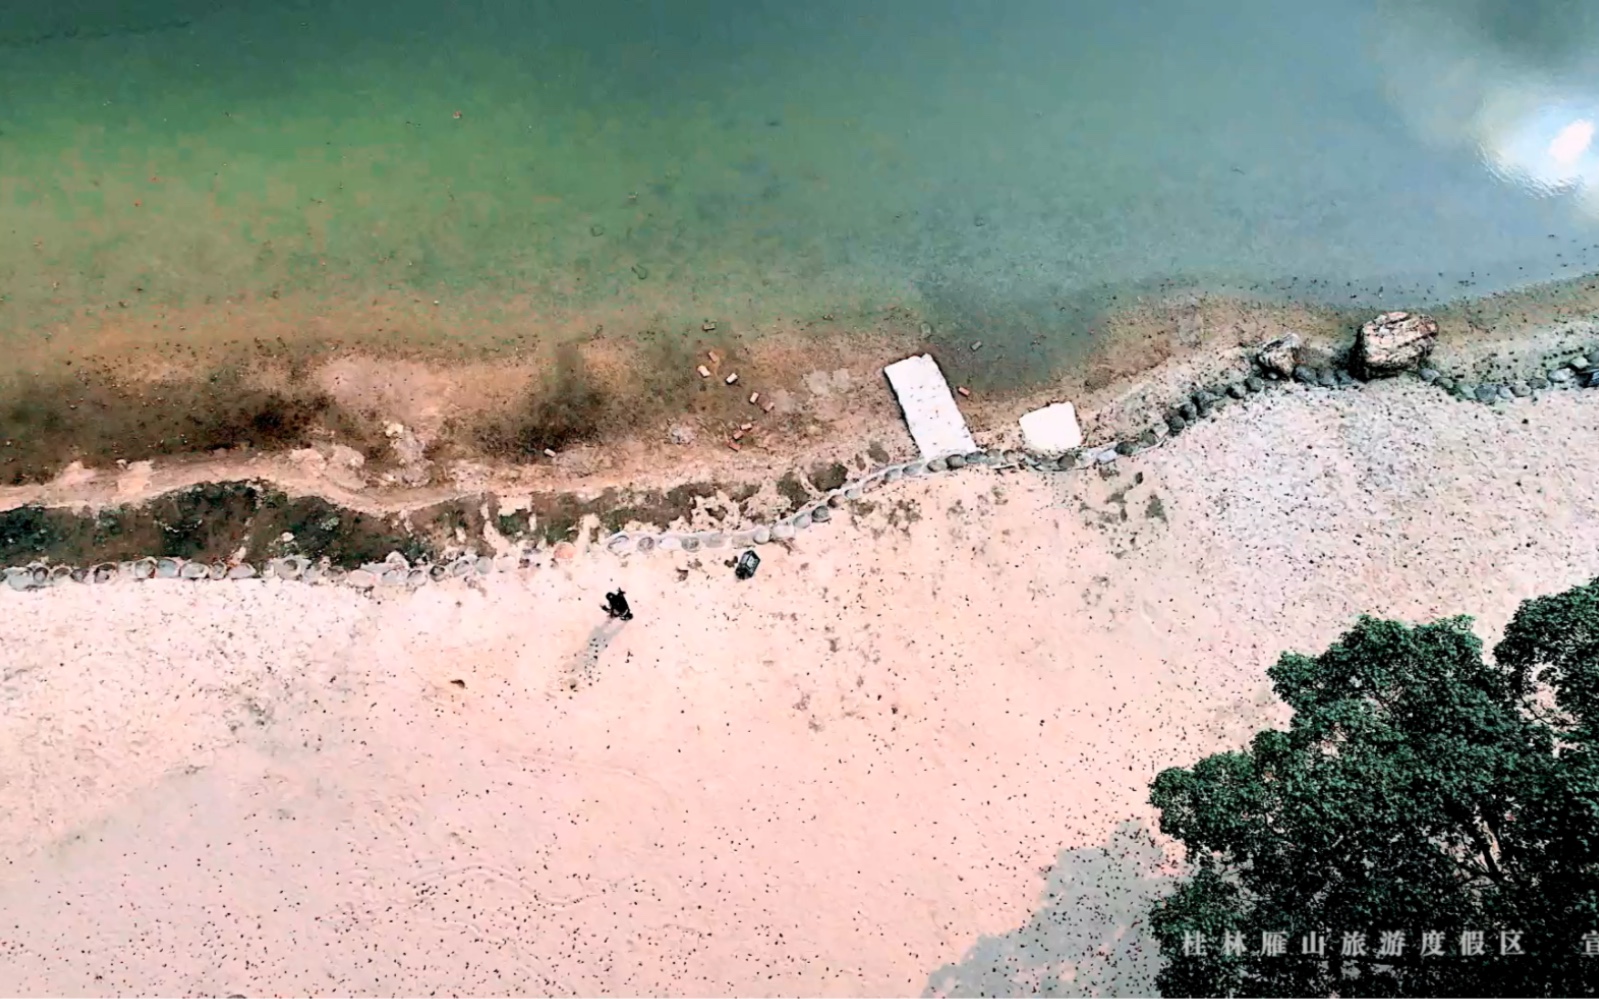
{"x": 616, "y": 606}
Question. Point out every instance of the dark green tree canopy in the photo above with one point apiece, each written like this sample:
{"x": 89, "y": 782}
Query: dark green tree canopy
{"x": 1431, "y": 816}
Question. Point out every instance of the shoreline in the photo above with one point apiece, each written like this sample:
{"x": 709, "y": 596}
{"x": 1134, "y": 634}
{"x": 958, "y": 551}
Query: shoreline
{"x": 516, "y": 515}
{"x": 577, "y": 405}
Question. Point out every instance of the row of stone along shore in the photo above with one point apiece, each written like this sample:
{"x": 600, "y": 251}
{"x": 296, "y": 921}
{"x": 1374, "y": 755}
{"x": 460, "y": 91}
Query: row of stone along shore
{"x": 1390, "y": 344}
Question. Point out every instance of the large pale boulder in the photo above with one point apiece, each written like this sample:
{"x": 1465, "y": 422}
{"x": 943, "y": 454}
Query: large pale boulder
{"x": 1394, "y": 342}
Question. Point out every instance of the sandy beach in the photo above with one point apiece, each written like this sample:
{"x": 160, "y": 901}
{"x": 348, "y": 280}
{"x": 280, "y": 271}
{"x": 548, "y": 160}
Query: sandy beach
{"x": 911, "y": 755}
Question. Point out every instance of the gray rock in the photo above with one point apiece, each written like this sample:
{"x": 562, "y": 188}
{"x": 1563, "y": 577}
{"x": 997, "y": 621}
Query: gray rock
{"x": 19, "y": 579}
{"x": 1447, "y": 384}
{"x": 242, "y": 571}
{"x": 1538, "y": 383}
{"x": 1176, "y": 424}
{"x": 1487, "y": 393}
{"x": 1505, "y": 395}
{"x": 219, "y": 570}
{"x": 438, "y": 572}
{"x": 1428, "y": 375}
{"x": 1394, "y": 342}
{"x": 1304, "y": 375}
{"x": 892, "y": 474}
{"x": 973, "y": 458}
{"x": 1126, "y": 447}
{"x": 1562, "y": 376}
{"x": 1345, "y": 379}
{"x": 361, "y": 579}
{"x": 395, "y": 576}
{"x": 645, "y": 545}
{"x": 1189, "y": 411}
{"x": 783, "y": 532}
{"x": 1590, "y": 379}
{"x": 1325, "y": 378}
{"x": 1106, "y": 456}
{"x": 1579, "y": 363}
{"x": 144, "y": 568}
{"x": 193, "y": 570}
{"x": 1203, "y": 400}
{"x": 821, "y": 515}
{"x": 1280, "y": 355}
{"x": 938, "y": 465}
{"x": 167, "y": 568}
{"x": 691, "y": 543}
{"x": 1255, "y": 384}
{"x": 1466, "y": 390}
{"x": 1521, "y": 390}
{"x": 1236, "y": 390}
{"x": 485, "y": 565}
{"x": 762, "y": 535}
{"x": 416, "y": 577}
{"x": 956, "y": 461}
{"x": 801, "y": 520}
{"x": 1148, "y": 439}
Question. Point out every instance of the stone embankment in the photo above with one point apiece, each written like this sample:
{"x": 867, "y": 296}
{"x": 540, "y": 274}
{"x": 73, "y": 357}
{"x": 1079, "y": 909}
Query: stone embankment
{"x": 1393, "y": 344}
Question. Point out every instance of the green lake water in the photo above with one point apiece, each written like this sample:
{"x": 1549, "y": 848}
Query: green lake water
{"x": 1008, "y": 167}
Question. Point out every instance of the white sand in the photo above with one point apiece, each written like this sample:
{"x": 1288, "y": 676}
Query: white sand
{"x": 852, "y": 774}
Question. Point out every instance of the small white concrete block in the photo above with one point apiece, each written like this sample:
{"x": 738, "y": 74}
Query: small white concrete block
{"x": 1053, "y": 429}
{"x": 935, "y": 421}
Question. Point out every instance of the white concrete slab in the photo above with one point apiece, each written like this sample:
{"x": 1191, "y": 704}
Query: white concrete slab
{"x": 1053, "y": 429}
{"x": 936, "y": 422}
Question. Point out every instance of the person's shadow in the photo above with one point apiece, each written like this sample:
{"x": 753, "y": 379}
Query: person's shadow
{"x": 582, "y": 669}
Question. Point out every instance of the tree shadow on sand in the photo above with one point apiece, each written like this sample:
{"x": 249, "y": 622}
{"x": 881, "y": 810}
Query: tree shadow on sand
{"x": 1088, "y": 939}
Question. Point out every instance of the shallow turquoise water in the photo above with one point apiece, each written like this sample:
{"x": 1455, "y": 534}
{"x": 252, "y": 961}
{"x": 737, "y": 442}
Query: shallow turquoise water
{"x": 1008, "y": 166}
